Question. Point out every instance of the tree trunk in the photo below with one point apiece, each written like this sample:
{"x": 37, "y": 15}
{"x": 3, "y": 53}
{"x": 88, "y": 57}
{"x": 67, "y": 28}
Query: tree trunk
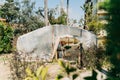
{"x": 67, "y": 12}
{"x": 61, "y": 11}
{"x": 46, "y": 11}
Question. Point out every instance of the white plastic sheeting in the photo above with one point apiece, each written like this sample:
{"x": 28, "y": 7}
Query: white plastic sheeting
{"x": 41, "y": 42}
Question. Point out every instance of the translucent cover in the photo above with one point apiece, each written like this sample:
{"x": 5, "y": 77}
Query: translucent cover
{"x": 43, "y": 42}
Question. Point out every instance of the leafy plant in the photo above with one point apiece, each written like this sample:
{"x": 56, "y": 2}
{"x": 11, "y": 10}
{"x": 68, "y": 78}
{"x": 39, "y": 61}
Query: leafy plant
{"x": 68, "y": 70}
{"x": 40, "y": 74}
{"x": 6, "y": 35}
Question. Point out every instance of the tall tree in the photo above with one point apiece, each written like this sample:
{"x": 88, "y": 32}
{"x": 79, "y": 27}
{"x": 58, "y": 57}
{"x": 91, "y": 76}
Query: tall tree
{"x": 9, "y": 11}
{"x": 28, "y": 19}
{"x": 91, "y": 20}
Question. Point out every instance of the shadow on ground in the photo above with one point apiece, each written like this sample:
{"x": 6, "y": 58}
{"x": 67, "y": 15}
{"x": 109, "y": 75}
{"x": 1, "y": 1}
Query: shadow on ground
{"x": 93, "y": 77}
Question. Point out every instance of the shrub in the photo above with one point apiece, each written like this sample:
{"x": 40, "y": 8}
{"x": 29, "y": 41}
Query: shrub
{"x": 20, "y": 66}
{"x": 6, "y": 35}
{"x": 91, "y": 58}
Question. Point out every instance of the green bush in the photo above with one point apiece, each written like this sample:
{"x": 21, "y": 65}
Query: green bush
{"x": 6, "y": 35}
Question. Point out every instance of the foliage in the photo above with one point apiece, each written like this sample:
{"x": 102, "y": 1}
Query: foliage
{"x": 95, "y": 25}
{"x": 9, "y": 11}
{"x": 53, "y": 15}
{"x": 19, "y": 65}
{"x": 90, "y": 58}
{"x": 113, "y": 39}
{"x": 94, "y": 58}
{"x": 6, "y": 35}
{"x": 67, "y": 69}
{"x": 28, "y": 19}
{"x": 106, "y": 63}
{"x": 40, "y": 74}
{"x": 22, "y": 15}
{"x": 101, "y": 5}
{"x": 91, "y": 19}
{"x": 61, "y": 19}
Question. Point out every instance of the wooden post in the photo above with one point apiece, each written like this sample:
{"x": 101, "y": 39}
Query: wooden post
{"x": 57, "y": 55}
{"x": 80, "y": 60}
{"x": 80, "y": 32}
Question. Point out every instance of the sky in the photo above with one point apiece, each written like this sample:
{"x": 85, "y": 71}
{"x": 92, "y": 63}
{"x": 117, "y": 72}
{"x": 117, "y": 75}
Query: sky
{"x": 75, "y": 12}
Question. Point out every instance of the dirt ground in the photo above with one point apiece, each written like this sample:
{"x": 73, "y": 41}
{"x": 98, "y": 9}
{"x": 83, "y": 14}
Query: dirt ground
{"x": 4, "y": 67}
{"x": 52, "y": 71}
